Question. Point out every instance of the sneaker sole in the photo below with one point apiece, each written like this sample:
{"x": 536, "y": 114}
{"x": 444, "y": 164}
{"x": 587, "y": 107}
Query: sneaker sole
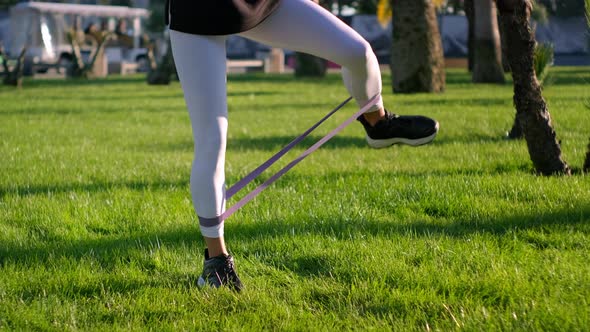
{"x": 383, "y": 143}
{"x": 201, "y": 282}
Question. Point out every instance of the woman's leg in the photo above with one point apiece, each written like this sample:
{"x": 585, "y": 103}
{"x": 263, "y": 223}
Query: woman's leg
{"x": 303, "y": 26}
{"x": 201, "y": 65}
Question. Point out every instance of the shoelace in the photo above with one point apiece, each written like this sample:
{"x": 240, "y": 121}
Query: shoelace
{"x": 226, "y": 272}
{"x": 391, "y": 116}
{"x": 400, "y": 120}
{"x": 231, "y": 277}
{"x": 228, "y": 267}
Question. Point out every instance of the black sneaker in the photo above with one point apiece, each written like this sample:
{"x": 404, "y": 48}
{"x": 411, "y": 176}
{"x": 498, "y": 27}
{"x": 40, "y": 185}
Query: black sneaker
{"x": 219, "y": 271}
{"x": 393, "y": 129}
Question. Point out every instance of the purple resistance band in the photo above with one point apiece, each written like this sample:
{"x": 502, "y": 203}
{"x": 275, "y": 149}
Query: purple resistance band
{"x": 255, "y": 173}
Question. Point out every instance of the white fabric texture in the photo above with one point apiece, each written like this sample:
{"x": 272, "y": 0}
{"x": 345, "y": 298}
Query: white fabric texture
{"x": 299, "y": 25}
{"x": 213, "y": 231}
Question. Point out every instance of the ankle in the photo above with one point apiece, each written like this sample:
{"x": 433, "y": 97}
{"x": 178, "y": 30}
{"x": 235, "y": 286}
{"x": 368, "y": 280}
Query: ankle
{"x": 216, "y": 253}
{"x": 215, "y": 246}
{"x": 373, "y": 117}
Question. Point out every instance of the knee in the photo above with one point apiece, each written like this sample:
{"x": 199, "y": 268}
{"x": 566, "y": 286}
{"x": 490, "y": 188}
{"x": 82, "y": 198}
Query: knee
{"x": 209, "y": 134}
{"x": 208, "y": 166}
{"x": 210, "y": 148}
{"x": 359, "y": 55}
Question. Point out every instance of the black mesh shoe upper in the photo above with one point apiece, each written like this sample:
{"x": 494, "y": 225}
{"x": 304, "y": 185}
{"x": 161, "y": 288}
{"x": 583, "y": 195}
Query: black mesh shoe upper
{"x": 396, "y": 126}
{"x": 220, "y": 271}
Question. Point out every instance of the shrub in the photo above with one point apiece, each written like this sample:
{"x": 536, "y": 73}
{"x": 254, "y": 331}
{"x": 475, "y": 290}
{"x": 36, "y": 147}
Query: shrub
{"x": 543, "y": 59}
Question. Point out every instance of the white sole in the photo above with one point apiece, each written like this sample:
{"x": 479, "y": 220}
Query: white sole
{"x": 383, "y": 143}
{"x": 201, "y": 282}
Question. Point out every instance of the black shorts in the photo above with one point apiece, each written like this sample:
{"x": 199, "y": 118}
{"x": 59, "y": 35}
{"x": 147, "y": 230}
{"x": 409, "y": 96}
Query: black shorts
{"x": 217, "y": 17}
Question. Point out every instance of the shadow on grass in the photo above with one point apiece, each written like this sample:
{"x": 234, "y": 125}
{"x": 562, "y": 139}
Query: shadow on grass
{"x": 145, "y": 95}
{"x": 270, "y": 143}
{"x": 155, "y": 184}
{"x": 255, "y": 93}
{"x": 128, "y": 97}
{"x": 570, "y": 76}
{"x": 87, "y": 110}
{"x": 458, "y": 77}
{"x": 289, "y": 104}
{"x": 30, "y": 190}
{"x": 110, "y": 250}
{"x": 467, "y": 102}
{"x": 116, "y": 79}
{"x": 579, "y": 75}
{"x": 275, "y": 143}
{"x": 283, "y": 78}
{"x": 320, "y": 107}
{"x": 472, "y": 138}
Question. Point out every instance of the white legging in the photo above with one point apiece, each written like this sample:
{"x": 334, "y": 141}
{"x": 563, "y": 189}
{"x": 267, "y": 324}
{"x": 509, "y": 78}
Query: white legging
{"x": 299, "y": 25}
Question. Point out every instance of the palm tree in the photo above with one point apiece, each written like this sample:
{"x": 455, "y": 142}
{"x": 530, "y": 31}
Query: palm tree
{"x": 160, "y": 73}
{"x": 417, "y": 60}
{"x": 470, "y": 14}
{"x": 531, "y": 110}
{"x": 13, "y": 77}
{"x": 487, "y": 51}
{"x": 80, "y": 69}
{"x": 307, "y": 65}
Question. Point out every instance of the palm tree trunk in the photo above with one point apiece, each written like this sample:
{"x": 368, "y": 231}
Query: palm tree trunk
{"x": 487, "y": 66}
{"x": 161, "y": 73}
{"x": 470, "y": 14}
{"x": 97, "y": 64}
{"x": 307, "y": 65}
{"x": 417, "y": 60}
{"x": 516, "y": 130}
{"x": 15, "y": 77}
{"x": 86, "y": 70}
{"x": 505, "y": 63}
{"x": 531, "y": 109}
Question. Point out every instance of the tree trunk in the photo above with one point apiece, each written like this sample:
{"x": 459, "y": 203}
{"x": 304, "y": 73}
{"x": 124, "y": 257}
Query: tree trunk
{"x": 307, "y": 65}
{"x": 516, "y": 130}
{"x": 505, "y": 62}
{"x": 98, "y": 62}
{"x": 417, "y": 60}
{"x": 531, "y": 109}
{"x": 86, "y": 70}
{"x": 469, "y": 13}
{"x": 15, "y": 77}
{"x": 487, "y": 57}
{"x": 160, "y": 74}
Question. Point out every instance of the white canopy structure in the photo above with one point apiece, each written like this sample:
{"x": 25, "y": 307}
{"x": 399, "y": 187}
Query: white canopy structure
{"x": 42, "y": 26}
{"x": 83, "y": 10}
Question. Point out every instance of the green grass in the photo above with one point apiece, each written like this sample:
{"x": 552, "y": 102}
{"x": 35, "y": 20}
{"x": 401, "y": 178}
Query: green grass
{"x": 97, "y": 230}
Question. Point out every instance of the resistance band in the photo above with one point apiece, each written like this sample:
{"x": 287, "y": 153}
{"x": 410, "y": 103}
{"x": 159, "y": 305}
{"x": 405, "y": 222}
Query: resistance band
{"x": 255, "y": 173}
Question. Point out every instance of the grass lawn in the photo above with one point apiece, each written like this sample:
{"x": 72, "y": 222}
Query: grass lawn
{"x": 97, "y": 230}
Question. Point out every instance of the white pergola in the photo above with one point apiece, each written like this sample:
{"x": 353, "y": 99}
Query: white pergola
{"x": 84, "y": 10}
{"x": 117, "y": 12}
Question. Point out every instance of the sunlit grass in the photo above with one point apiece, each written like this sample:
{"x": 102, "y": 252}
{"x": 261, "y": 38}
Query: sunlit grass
{"x": 97, "y": 230}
